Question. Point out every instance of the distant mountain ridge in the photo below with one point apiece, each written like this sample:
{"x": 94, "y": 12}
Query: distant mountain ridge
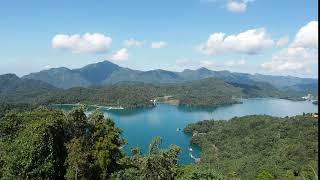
{"x": 106, "y": 72}
{"x": 17, "y": 90}
{"x": 209, "y": 91}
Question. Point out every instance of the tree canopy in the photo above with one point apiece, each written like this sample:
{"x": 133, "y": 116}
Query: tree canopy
{"x": 51, "y": 144}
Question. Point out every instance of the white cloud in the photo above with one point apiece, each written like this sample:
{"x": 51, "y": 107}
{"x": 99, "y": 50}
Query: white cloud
{"x": 252, "y": 41}
{"x": 307, "y": 36}
{"x": 86, "y": 43}
{"x": 222, "y": 65}
{"x": 291, "y": 58}
{"x": 208, "y": 64}
{"x": 237, "y": 6}
{"x": 235, "y": 63}
{"x": 133, "y": 43}
{"x": 121, "y": 55}
{"x": 301, "y": 54}
{"x": 158, "y": 45}
{"x": 283, "y": 41}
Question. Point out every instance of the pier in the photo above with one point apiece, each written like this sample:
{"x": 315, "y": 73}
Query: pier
{"x": 196, "y": 160}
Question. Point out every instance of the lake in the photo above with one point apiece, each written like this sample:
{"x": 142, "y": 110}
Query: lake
{"x": 141, "y": 125}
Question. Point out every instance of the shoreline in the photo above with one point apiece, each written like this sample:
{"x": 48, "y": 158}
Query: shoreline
{"x": 177, "y": 105}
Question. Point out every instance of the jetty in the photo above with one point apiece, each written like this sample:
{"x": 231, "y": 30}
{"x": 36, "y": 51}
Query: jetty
{"x": 196, "y": 160}
{"x": 197, "y": 133}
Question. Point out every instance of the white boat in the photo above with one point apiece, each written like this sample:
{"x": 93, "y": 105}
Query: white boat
{"x": 197, "y": 160}
{"x": 190, "y": 149}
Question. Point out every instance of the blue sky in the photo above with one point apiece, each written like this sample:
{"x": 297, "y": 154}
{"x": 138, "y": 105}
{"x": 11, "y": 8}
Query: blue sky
{"x": 254, "y": 36}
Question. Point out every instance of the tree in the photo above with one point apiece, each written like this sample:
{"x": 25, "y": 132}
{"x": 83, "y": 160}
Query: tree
{"x": 265, "y": 175}
{"x": 157, "y": 164}
{"x": 80, "y": 162}
{"x": 202, "y": 172}
{"x": 310, "y": 170}
{"x": 97, "y": 141}
{"x": 76, "y": 123}
{"x": 37, "y": 150}
{"x": 106, "y": 146}
{"x": 49, "y": 144}
{"x": 9, "y": 125}
{"x": 289, "y": 175}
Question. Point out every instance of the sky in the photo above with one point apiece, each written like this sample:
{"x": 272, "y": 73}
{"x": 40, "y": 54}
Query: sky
{"x": 252, "y": 36}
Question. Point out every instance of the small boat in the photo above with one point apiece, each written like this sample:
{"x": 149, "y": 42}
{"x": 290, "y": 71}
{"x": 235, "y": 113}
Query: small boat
{"x": 178, "y": 129}
{"x": 190, "y": 149}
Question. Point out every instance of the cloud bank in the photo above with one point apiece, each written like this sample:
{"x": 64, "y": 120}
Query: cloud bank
{"x": 250, "y": 42}
{"x": 300, "y": 54}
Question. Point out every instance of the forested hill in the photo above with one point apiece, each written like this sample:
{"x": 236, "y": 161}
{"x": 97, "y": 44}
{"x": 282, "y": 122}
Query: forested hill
{"x": 16, "y": 90}
{"x": 105, "y": 72}
{"x": 204, "y": 92}
{"x": 252, "y": 145}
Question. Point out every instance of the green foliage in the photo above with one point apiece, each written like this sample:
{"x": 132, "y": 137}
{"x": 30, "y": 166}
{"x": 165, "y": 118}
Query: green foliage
{"x": 310, "y": 170}
{"x": 265, "y": 175}
{"x": 49, "y": 144}
{"x": 198, "y": 172}
{"x": 289, "y": 176}
{"x": 80, "y": 162}
{"x": 158, "y": 164}
{"x": 35, "y": 148}
{"x": 207, "y": 90}
{"x": 52, "y": 144}
{"x": 8, "y": 107}
{"x": 249, "y": 144}
{"x": 15, "y": 90}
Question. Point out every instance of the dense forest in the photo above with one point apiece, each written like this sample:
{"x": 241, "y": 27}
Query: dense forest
{"x": 205, "y": 92}
{"x": 52, "y": 144}
{"x": 250, "y": 145}
{"x": 209, "y": 92}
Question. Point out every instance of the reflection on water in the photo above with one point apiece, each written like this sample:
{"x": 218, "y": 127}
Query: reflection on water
{"x": 141, "y": 125}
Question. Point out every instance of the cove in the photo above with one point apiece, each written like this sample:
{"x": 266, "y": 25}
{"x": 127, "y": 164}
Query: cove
{"x": 141, "y": 125}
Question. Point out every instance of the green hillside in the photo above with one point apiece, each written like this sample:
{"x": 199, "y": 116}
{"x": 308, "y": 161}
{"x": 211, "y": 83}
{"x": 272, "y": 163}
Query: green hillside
{"x": 249, "y": 145}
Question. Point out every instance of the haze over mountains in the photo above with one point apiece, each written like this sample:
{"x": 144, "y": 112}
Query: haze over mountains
{"x": 106, "y": 72}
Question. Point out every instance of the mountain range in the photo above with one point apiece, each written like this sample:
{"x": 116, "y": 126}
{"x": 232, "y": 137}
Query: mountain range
{"x": 18, "y": 90}
{"x": 106, "y": 73}
{"x": 107, "y": 83}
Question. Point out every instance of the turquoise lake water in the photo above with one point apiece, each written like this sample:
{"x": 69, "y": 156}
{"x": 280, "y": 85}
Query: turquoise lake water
{"x": 141, "y": 125}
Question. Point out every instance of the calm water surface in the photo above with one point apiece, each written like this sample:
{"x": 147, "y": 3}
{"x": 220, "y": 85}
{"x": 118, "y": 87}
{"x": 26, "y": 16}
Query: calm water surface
{"x": 141, "y": 125}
